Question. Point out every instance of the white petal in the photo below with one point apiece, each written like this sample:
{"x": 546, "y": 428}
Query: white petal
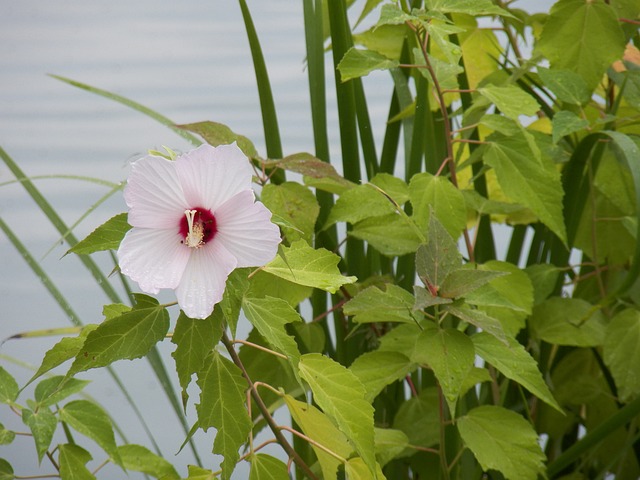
{"x": 203, "y": 281}
{"x": 153, "y": 258}
{"x": 154, "y": 195}
{"x": 245, "y": 229}
{"x": 211, "y": 176}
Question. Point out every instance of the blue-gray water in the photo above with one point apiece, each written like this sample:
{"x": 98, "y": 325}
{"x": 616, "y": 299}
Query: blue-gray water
{"x": 188, "y": 60}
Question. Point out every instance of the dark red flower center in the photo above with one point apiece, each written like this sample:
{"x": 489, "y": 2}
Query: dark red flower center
{"x": 197, "y": 227}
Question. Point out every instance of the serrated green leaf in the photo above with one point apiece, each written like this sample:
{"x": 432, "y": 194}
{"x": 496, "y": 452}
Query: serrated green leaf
{"x": 218, "y": 134}
{"x": 568, "y": 321}
{"x": 304, "y": 265}
{"x": 92, "y": 421}
{"x": 42, "y": 425}
{"x": 402, "y": 339}
{"x": 514, "y": 362}
{"x": 484, "y": 206}
{"x": 565, "y": 123}
{"x": 479, "y": 319}
{"x": 512, "y": 101}
{"x": 450, "y": 354}
{"x": 419, "y": 419}
{"x": 424, "y": 298}
{"x": 296, "y": 204}
{"x": 73, "y": 463}
{"x": 371, "y": 305}
{"x": 445, "y": 71}
{"x": 360, "y": 62}
{"x": 264, "y": 284}
{"x": 392, "y": 235}
{"x": 55, "y": 389}
{"x": 236, "y": 287}
{"x": 513, "y": 290}
{"x": 6, "y": 470}
{"x": 6, "y": 436}
{"x": 106, "y": 237}
{"x": 342, "y": 397}
{"x": 357, "y": 469}
{"x": 141, "y": 459}
{"x": 568, "y": 86}
{"x": 266, "y": 467}
{"x": 392, "y": 14}
{"x": 429, "y": 193}
{"x": 392, "y": 186}
{"x": 377, "y": 369}
{"x": 317, "y": 426}
{"x": 621, "y": 352}
{"x": 465, "y": 280}
{"x": 128, "y": 336}
{"x": 111, "y": 311}
{"x": 438, "y": 257}
{"x": 390, "y": 443}
{"x": 199, "y": 473}
{"x": 471, "y": 7}
{"x": 8, "y": 387}
{"x": 222, "y": 406}
{"x": 502, "y": 440}
{"x": 359, "y": 203}
{"x": 195, "y": 338}
{"x": 544, "y": 278}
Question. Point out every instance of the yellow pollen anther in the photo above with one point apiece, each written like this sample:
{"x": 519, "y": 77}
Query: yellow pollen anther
{"x": 196, "y": 231}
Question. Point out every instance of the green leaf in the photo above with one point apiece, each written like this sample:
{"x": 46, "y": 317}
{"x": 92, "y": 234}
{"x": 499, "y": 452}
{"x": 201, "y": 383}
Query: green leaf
{"x": 194, "y": 338}
{"x": 264, "y": 284}
{"x": 42, "y": 425}
{"x": 390, "y": 443}
{"x": 568, "y": 86}
{"x": 342, "y": 397}
{"x": 372, "y": 305}
{"x": 266, "y": 467}
{"x": 392, "y": 186}
{"x": 8, "y": 387}
{"x": 377, "y": 369}
{"x": 106, "y": 237}
{"x": 199, "y": 473}
{"x": 359, "y": 203}
{"x": 236, "y": 288}
{"x": 402, "y": 339}
{"x": 438, "y": 257}
{"x": 419, "y": 419}
{"x": 479, "y": 319}
{"x": 425, "y": 299}
{"x": 471, "y": 7}
{"x": 465, "y": 280}
{"x": 222, "y": 406}
{"x": 92, "y": 421}
{"x": 621, "y": 353}
{"x": 128, "y": 336}
{"x": 304, "y": 265}
{"x": 565, "y": 123}
{"x": 523, "y": 178}
{"x": 502, "y": 440}
{"x": 584, "y": 37}
{"x": 141, "y": 459}
{"x": 358, "y": 63}
{"x": 6, "y": 436}
{"x": 55, "y": 389}
{"x": 218, "y": 134}
{"x": 296, "y": 204}
{"x": 544, "y": 278}
{"x": 317, "y": 426}
{"x": 392, "y": 235}
{"x": 73, "y": 463}
{"x": 512, "y": 101}
{"x": 429, "y": 193}
{"x": 568, "y": 321}
{"x": 6, "y": 470}
{"x": 450, "y": 354}
{"x": 514, "y": 362}
{"x": 357, "y": 469}
{"x": 311, "y": 167}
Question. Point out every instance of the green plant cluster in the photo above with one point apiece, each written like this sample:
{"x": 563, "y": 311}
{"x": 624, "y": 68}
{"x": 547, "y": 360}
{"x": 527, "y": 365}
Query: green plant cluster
{"x": 401, "y": 340}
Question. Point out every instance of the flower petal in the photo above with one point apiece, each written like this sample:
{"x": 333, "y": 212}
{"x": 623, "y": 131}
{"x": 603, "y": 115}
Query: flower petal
{"x": 153, "y": 258}
{"x": 154, "y": 195}
{"x": 202, "y": 284}
{"x": 212, "y": 175}
{"x": 245, "y": 230}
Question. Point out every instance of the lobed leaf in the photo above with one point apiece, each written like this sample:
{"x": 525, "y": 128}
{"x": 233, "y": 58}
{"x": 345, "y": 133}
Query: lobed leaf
{"x": 55, "y": 389}
{"x": 266, "y": 467}
{"x": 42, "y": 424}
{"x": 359, "y": 203}
{"x": 512, "y": 101}
{"x": 296, "y": 204}
{"x": 438, "y": 257}
{"x": 392, "y": 235}
{"x": 360, "y": 62}
{"x": 372, "y": 305}
{"x": 73, "y": 462}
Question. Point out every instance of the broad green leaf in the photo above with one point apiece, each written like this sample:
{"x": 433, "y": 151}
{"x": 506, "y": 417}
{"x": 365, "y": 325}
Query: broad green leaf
{"x": 6, "y": 470}
{"x": 621, "y": 353}
{"x": 372, "y": 305}
{"x": 526, "y": 180}
{"x": 141, "y": 459}
{"x": 425, "y": 299}
{"x": 218, "y": 134}
{"x": 296, "y": 204}
{"x": 266, "y": 467}
{"x": 377, "y": 369}
{"x": 402, "y": 339}
{"x": 504, "y": 441}
{"x": 584, "y": 37}
{"x": 392, "y": 186}
{"x": 42, "y": 425}
{"x": 194, "y": 339}
{"x": 236, "y": 287}
{"x": 128, "y": 336}
{"x": 568, "y": 86}
{"x": 310, "y": 337}
{"x": 445, "y": 71}
{"x": 390, "y": 443}
{"x": 222, "y": 406}
{"x": 359, "y": 62}
{"x": 565, "y": 123}
{"x": 317, "y": 426}
{"x": 264, "y": 284}
{"x": 342, "y": 397}
{"x": 199, "y": 473}
{"x": 429, "y": 193}
{"x": 357, "y": 469}
{"x": 479, "y": 319}
{"x": 484, "y": 206}
{"x": 392, "y": 235}
{"x": 6, "y": 436}
{"x": 8, "y": 387}
{"x": 471, "y": 7}
{"x": 55, "y": 389}
{"x": 514, "y": 362}
{"x": 73, "y": 462}
{"x": 568, "y": 321}
{"x": 392, "y": 14}
{"x": 438, "y": 257}
{"x": 450, "y": 354}
{"x": 304, "y": 265}
{"x": 419, "y": 419}
{"x": 475, "y": 376}
{"x": 106, "y": 237}
{"x": 311, "y": 167}
{"x": 93, "y": 422}
{"x": 465, "y": 280}
{"x": 512, "y": 101}
{"x": 359, "y": 203}
{"x": 544, "y": 278}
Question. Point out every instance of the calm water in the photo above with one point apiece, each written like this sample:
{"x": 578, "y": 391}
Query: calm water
{"x": 190, "y": 63}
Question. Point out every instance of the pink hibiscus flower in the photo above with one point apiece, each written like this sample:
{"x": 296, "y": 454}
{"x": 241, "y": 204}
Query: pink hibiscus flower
{"x": 194, "y": 221}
